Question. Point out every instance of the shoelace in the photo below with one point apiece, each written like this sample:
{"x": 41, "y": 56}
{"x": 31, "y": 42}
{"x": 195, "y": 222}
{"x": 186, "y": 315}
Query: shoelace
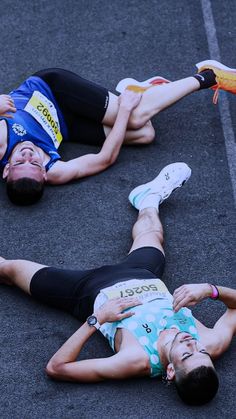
{"x": 225, "y": 80}
{"x": 216, "y": 95}
{"x": 224, "y": 83}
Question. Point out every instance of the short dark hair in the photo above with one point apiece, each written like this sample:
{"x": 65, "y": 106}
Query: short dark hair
{"x": 24, "y": 191}
{"x": 198, "y": 386}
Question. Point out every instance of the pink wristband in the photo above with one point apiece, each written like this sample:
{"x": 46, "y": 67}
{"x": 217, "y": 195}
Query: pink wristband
{"x": 215, "y": 292}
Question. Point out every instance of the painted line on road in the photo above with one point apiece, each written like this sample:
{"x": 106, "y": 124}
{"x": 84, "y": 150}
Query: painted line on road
{"x": 224, "y": 109}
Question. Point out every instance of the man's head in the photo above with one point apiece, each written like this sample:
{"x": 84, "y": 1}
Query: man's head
{"x": 25, "y": 174}
{"x": 191, "y": 368}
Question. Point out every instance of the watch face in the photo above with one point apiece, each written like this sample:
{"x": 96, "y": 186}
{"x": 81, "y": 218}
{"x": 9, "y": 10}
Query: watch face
{"x": 92, "y": 320}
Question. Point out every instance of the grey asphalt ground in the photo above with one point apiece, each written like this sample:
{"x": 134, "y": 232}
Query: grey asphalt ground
{"x": 88, "y": 223}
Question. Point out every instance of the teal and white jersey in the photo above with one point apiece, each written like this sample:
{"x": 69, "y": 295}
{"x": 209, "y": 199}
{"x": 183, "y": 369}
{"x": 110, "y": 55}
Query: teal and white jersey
{"x": 150, "y": 318}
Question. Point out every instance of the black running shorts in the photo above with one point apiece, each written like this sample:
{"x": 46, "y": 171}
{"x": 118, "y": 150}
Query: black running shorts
{"x": 75, "y": 290}
{"x": 82, "y": 102}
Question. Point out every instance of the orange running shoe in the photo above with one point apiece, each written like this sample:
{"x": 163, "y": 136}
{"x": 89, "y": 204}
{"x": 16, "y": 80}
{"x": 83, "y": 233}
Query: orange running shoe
{"x": 140, "y": 86}
{"x": 225, "y": 77}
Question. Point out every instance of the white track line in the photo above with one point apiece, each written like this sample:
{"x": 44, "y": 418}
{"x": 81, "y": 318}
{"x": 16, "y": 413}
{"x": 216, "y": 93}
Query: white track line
{"x": 223, "y": 103}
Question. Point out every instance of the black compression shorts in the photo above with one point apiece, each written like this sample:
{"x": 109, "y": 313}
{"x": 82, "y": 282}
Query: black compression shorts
{"x": 75, "y": 290}
{"x": 82, "y": 102}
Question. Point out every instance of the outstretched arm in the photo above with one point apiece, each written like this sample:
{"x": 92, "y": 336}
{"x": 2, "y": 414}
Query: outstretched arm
{"x": 90, "y": 164}
{"x": 64, "y": 365}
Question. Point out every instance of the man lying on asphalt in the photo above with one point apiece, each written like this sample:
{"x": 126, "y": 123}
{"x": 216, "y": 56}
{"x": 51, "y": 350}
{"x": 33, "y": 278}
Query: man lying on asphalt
{"x": 151, "y": 332}
{"x": 56, "y": 105}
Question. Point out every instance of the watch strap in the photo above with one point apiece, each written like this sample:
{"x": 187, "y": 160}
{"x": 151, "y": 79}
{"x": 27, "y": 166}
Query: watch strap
{"x": 93, "y": 322}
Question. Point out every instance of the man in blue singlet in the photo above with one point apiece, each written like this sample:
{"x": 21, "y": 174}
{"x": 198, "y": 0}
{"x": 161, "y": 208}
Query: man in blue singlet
{"x": 151, "y": 332}
{"x": 56, "y": 105}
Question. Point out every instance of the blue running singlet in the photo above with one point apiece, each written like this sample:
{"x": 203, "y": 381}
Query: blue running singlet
{"x": 38, "y": 119}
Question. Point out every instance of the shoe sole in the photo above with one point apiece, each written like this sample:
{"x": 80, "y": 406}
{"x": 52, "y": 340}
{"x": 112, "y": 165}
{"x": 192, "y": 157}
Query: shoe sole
{"x": 216, "y": 64}
{"x": 143, "y": 190}
{"x": 142, "y": 85}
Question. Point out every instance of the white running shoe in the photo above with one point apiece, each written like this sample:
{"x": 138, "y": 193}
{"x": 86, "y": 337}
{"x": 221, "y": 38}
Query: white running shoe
{"x": 132, "y": 84}
{"x": 170, "y": 178}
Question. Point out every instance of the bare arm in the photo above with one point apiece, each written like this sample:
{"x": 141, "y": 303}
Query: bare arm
{"x": 6, "y": 105}
{"x": 64, "y": 365}
{"x": 227, "y": 296}
{"x": 191, "y": 294}
{"x": 90, "y": 164}
{"x": 219, "y": 338}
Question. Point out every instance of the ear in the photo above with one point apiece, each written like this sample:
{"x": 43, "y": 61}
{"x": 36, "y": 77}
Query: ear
{"x": 170, "y": 372}
{"x": 6, "y": 171}
{"x": 44, "y": 175}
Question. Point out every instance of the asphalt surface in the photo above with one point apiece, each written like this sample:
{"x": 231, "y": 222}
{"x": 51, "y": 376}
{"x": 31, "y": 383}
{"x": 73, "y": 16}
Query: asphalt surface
{"x": 88, "y": 223}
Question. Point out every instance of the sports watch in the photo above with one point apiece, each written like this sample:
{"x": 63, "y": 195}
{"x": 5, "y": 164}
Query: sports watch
{"x": 93, "y": 321}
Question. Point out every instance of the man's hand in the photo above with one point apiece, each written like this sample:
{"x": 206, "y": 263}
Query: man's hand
{"x": 129, "y": 100}
{"x": 6, "y": 105}
{"x": 112, "y": 310}
{"x": 189, "y": 295}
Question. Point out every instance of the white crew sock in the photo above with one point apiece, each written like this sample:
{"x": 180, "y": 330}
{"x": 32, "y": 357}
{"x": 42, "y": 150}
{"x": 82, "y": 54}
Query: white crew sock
{"x": 151, "y": 201}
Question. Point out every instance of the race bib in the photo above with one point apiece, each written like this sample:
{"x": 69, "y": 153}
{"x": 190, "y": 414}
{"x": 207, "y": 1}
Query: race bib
{"x": 43, "y": 110}
{"x": 145, "y": 289}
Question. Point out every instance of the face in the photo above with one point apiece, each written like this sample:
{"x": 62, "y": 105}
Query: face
{"x": 25, "y": 161}
{"x": 188, "y": 353}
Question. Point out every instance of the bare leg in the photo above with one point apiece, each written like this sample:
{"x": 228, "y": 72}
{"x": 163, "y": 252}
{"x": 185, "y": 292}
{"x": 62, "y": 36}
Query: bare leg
{"x": 148, "y": 230}
{"x": 154, "y": 100}
{"x": 146, "y": 198}
{"x": 18, "y": 273}
{"x": 158, "y": 98}
{"x": 144, "y": 135}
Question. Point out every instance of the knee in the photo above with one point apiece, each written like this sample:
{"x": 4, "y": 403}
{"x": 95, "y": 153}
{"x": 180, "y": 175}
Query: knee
{"x": 137, "y": 120}
{"x": 148, "y": 134}
{"x": 159, "y": 235}
{"x": 139, "y": 117}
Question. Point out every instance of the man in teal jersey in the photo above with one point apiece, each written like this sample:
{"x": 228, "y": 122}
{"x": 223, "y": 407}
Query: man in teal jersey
{"x": 151, "y": 332}
{"x": 55, "y": 105}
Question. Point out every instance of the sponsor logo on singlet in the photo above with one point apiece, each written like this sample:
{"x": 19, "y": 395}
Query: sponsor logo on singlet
{"x": 19, "y": 129}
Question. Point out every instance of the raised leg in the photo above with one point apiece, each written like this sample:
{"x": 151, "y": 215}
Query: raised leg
{"x": 154, "y": 100}
{"x": 148, "y": 230}
{"x": 146, "y": 198}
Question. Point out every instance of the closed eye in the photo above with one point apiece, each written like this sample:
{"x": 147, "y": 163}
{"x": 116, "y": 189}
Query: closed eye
{"x": 34, "y": 163}
{"x": 18, "y": 163}
{"x": 186, "y": 355}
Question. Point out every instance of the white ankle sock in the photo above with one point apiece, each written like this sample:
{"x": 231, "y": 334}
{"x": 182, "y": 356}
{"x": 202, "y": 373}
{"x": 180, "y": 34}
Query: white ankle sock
{"x": 151, "y": 201}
